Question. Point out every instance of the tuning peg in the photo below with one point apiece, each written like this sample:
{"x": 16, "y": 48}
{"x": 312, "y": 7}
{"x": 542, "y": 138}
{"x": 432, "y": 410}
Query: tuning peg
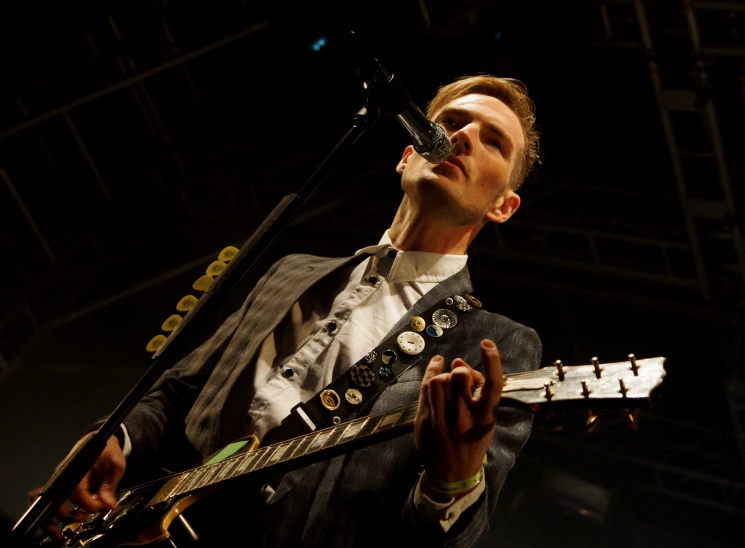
{"x": 634, "y": 365}
{"x": 596, "y": 366}
{"x": 171, "y": 322}
{"x": 554, "y": 421}
{"x": 216, "y": 268}
{"x": 187, "y": 303}
{"x": 632, "y": 418}
{"x": 155, "y": 343}
{"x": 559, "y": 369}
{"x": 203, "y": 283}
{"x": 592, "y": 420}
{"x": 227, "y": 254}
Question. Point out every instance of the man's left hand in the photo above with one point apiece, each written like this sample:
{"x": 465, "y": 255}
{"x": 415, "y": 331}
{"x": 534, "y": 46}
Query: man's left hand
{"x": 457, "y": 416}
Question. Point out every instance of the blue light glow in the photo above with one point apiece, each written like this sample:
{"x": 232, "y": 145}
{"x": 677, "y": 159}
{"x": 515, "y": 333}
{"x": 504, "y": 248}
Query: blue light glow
{"x": 498, "y": 35}
{"x": 318, "y": 44}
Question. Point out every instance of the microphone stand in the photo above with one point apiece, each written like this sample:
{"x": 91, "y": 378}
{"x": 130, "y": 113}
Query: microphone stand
{"x": 385, "y": 96}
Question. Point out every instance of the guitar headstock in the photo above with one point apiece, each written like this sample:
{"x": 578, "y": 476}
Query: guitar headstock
{"x": 621, "y": 385}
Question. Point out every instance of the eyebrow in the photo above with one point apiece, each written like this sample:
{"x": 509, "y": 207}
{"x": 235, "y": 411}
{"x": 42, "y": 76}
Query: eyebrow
{"x": 492, "y": 127}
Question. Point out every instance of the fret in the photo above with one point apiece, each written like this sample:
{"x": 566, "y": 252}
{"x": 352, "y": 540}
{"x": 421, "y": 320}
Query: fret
{"x": 278, "y": 453}
{"x": 290, "y": 451}
{"x": 370, "y": 425}
{"x": 390, "y": 420}
{"x": 188, "y": 482}
{"x": 245, "y": 462}
{"x": 212, "y": 470}
{"x": 351, "y": 432}
{"x": 199, "y": 476}
{"x": 304, "y": 444}
{"x": 333, "y": 438}
{"x": 261, "y": 462}
{"x": 408, "y": 415}
{"x": 318, "y": 441}
{"x": 224, "y": 472}
{"x": 358, "y": 426}
{"x": 254, "y": 464}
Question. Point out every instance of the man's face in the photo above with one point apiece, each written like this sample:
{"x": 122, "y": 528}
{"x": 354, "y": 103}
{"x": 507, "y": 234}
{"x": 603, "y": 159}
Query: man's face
{"x": 472, "y": 186}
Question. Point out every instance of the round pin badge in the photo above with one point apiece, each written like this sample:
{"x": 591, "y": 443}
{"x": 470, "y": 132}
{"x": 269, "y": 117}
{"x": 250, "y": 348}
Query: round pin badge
{"x": 362, "y": 375}
{"x": 353, "y": 396}
{"x": 370, "y": 357}
{"x": 449, "y": 301}
{"x": 434, "y": 331}
{"x": 329, "y": 399}
{"x": 462, "y": 304}
{"x": 384, "y": 372}
{"x": 410, "y": 343}
{"x": 416, "y": 323}
{"x": 389, "y": 357}
{"x": 445, "y": 318}
{"x": 474, "y": 301}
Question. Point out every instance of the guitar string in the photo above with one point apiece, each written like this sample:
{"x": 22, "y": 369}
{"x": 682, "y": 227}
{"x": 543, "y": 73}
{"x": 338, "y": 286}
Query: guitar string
{"x": 515, "y": 379}
{"x": 265, "y": 450}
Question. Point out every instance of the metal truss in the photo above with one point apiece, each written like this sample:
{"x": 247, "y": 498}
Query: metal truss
{"x": 674, "y": 459}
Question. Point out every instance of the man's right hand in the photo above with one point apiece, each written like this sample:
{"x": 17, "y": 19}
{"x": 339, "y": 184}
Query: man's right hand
{"x": 97, "y": 490}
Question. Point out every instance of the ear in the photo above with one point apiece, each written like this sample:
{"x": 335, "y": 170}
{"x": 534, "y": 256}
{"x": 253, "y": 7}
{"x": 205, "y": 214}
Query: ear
{"x": 404, "y": 159}
{"x": 504, "y": 207}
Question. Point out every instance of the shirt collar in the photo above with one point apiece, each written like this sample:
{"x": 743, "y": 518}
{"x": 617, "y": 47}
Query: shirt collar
{"x": 417, "y": 266}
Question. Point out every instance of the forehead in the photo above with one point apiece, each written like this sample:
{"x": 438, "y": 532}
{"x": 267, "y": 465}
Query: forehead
{"x": 489, "y": 109}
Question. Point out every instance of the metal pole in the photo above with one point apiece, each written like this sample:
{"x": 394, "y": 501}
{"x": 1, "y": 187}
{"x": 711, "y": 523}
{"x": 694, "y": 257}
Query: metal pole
{"x": 29, "y": 217}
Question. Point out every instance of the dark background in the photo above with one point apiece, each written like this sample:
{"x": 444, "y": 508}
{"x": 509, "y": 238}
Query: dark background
{"x": 137, "y": 139}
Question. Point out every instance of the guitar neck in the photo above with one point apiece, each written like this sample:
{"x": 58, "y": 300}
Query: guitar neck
{"x": 618, "y": 385}
{"x": 295, "y": 452}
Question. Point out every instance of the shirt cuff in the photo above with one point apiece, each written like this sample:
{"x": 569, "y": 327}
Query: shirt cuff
{"x": 127, "y": 448}
{"x": 445, "y": 513}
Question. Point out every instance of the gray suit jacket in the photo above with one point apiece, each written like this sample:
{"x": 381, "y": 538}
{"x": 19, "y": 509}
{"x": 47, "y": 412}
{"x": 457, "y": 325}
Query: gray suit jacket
{"x": 359, "y": 499}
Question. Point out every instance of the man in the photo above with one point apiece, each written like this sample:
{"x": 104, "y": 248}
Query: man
{"x": 310, "y": 319}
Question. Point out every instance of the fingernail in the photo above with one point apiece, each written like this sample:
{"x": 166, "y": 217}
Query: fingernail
{"x": 486, "y": 343}
{"x": 438, "y": 359}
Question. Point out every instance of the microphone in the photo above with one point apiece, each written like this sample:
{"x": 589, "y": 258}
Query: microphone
{"x": 429, "y": 139}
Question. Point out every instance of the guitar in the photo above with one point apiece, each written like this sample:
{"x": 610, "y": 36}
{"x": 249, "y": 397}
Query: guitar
{"x": 144, "y": 513}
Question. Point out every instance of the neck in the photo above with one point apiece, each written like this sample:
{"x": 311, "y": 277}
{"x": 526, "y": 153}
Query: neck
{"x": 416, "y": 230}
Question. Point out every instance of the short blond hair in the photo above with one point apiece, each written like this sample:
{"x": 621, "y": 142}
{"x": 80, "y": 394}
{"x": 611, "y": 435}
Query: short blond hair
{"x": 512, "y": 93}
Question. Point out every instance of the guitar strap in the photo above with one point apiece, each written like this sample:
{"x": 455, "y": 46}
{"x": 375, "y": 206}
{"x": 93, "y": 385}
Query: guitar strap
{"x": 352, "y": 393}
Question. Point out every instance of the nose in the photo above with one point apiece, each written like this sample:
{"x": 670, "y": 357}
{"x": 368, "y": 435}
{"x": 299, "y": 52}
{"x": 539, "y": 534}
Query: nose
{"x": 461, "y": 141}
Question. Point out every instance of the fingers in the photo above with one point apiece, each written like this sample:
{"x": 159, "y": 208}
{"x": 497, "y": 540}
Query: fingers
{"x": 493, "y": 375}
{"x": 433, "y": 369}
{"x": 82, "y": 496}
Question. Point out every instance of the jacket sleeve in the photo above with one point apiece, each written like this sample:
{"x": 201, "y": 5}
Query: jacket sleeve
{"x": 156, "y": 424}
{"x": 520, "y": 350}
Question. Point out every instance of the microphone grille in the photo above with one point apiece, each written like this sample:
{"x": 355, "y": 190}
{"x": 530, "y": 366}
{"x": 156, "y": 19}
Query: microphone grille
{"x": 440, "y": 148}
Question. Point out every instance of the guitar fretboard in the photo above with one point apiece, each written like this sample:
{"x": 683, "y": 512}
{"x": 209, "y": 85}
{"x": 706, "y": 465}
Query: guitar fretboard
{"x": 294, "y": 448}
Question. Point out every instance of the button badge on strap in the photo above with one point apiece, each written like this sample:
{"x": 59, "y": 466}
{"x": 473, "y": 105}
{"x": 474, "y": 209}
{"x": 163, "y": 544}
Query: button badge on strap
{"x": 474, "y": 301}
{"x": 444, "y": 318}
{"x": 462, "y": 304}
{"x": 353, "y": 396}
{"x": 410, "y": 343}
{"x": 389, "y": 357}
{"x": 434, "y": 331}
{"x": 416, "y": 323}
{"x": 362, "y": 375}
{"x": 330, "y": 399}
